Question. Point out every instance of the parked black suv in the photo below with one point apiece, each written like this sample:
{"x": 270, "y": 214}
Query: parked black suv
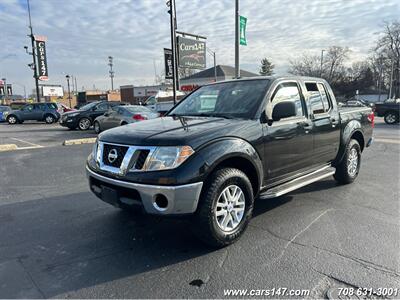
{"x": 46, "y": 112}
{"x": 226, "y": 143}
{"x": 85, "y": 116}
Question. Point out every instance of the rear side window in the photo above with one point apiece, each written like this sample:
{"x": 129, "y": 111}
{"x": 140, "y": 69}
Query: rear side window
{"x": 52, "y": 105}
{"x": 317, "y": 106}
{"x": 288, "y": 92}
{"x": 102, "y": 107}
{"x": 324, "y": 96}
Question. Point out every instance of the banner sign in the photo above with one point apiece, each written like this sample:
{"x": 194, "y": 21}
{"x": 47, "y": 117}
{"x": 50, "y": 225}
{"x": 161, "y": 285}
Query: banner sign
{"x": 191, "y": 53}
{"x": 41, "y": 57}
{"x": 243, "y": 23}
{"x": 168, "y": 63}
{"x": 53, "y": 91}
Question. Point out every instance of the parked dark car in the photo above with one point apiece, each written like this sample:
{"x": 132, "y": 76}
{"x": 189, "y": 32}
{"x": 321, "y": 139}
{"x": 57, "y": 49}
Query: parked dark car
{"x": 389, "y": 110}
{"x": 123, "y": 115}
{"x": 210, "y": 159}
{"x": 46, "y": 112}
{"x": 4, "y": 110}
{"x": 84, "y": 117}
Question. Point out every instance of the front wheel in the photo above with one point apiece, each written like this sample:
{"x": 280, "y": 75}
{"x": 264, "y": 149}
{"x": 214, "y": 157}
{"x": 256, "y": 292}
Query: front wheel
{"x": 391, "y": 118}
{"x": 347, "y": 171}
{"x": 84, "y": 124}
{"x": 225, "y": 208}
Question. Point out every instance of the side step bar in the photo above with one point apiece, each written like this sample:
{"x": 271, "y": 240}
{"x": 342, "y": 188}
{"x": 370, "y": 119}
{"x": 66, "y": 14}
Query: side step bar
{"x": 298, "y": 183}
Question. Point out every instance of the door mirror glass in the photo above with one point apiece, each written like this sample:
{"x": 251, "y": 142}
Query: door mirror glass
{"x": 284, "y": 109}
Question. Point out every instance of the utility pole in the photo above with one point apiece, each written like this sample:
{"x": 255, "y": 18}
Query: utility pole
{"x": 33, "y": 53}
{"x": 322, "y": 62}
{"x": 215, "y": 63}
{"x": 76, "y": 87}
{"x": 110, "y": 63}
{"x": 69, "y": 91}
{"x": 5, "y": 88}
{"x": 172, "y": 12}
{"x": 237, "y": 68}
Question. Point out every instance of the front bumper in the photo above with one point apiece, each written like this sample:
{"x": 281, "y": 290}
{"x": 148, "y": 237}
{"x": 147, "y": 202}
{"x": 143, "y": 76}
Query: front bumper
{"x": 70, "y": 122}
{"x": 181, "y": 199}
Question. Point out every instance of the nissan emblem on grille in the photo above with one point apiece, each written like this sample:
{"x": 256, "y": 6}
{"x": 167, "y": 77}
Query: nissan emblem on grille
{"x": 112, "y": 155}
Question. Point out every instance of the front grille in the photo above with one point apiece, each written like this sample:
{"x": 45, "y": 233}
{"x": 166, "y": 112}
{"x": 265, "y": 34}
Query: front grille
{"x": 141, "y": 159}
{"x": 118, "y": 152}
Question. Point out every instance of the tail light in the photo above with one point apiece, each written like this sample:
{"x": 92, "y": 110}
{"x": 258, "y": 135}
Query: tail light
{"x": 139, "y": 117}
{"x": 371, "y": 119}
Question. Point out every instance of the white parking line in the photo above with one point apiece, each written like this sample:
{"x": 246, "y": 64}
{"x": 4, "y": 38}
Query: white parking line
{"x": 390, "y": 141}
{"x": 29, "y": 143}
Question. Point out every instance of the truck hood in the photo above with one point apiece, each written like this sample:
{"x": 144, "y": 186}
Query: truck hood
{"x": 174, "y": 131}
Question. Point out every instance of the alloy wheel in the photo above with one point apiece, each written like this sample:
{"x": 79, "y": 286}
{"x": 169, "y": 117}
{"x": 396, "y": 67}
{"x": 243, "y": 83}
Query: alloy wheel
{"x": 352, "y": 162}
{"x": 230, "y": 208}
{"x": 84, "y": 124}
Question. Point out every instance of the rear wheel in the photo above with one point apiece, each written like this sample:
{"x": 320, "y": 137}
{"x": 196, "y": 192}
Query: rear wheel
{"x": 84, "y": 124}
{"x": 347, "y": 171}
{"x": 97, "y": 128}
{"x": 12, "y": 120}
{"x": 49, "y": 119}
{"x": 391, "y": 118}
{"x": 225, "y": 208}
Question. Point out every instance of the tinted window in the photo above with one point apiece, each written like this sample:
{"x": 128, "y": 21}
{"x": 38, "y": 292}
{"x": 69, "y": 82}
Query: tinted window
{"x": 52, "y": 105}
{"x": 102, "y": 107}
{"x": 41, "y": 106}
{"x": 288, "y": 92}
{"x": 4, "y": 108}
{"x": 88, "y": 106}
{"x": 325, "y": 100}
{"x": 28, "y": 107}
{"x": 317, "y": 106}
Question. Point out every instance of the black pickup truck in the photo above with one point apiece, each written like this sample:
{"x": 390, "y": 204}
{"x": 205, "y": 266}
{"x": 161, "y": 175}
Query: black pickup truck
{"x": 226, "y": 143}
{"x": 389, "y": 110}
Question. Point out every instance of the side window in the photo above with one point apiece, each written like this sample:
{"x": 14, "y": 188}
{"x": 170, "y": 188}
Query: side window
{"x": 317, "y": 106}
{"x": 41, "y": 106}
{"x": 325, "y": 100}
{"x": 102, "y": 107}
{"x": 288, "y": 92}
{"x": 28, "y": 107}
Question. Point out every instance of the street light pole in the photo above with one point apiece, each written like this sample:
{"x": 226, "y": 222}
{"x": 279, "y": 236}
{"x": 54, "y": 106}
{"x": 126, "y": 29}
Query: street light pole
{"x": 34, "y": 65}
{"x": 69, "y": 91}
{"x": 237, "y": 69}
{"x": 110, "y": 63}
{"x": 215, "y": 63}
{"x": 322, "y": 61}
{"x": 172, "y": 12}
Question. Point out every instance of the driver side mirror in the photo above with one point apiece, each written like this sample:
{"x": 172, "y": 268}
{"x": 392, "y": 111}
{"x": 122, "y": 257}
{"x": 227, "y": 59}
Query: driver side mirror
{"x": 107, "y": 114}
{"x": 284, "y": 109}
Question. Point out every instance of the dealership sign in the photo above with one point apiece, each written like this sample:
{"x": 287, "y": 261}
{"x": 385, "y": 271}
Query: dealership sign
{"x": 168, "y": 61}
{"x": 192, "y": 53}
{"x": 43, "y": 73}
{"x": 52, "y": 91}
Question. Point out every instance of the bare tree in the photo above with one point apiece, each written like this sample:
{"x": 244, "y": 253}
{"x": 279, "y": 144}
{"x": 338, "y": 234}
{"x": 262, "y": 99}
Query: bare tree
{"x": 387, "y": 56}
{"x": 306, "y": 65}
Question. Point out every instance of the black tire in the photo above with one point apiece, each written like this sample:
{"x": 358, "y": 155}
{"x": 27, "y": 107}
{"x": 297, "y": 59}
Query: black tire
{"x": 97, "y": 127}
{"x": 12, "y": 120}
{"x": 49, "y": 119}
{"x": 124, "y": 123}
{"x": 205, "y": 224}
{"x": 391, "y": 118}
{"x": 84, "y": 124}
{"x": 343, "y": 175}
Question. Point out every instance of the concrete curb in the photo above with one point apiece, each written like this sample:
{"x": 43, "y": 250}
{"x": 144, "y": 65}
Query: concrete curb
{"x": 8, "y": 147}
{"x": 79, "y": 141}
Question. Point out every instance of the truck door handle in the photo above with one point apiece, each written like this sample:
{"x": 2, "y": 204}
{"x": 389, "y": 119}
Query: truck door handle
{"x": 307, "y": 126}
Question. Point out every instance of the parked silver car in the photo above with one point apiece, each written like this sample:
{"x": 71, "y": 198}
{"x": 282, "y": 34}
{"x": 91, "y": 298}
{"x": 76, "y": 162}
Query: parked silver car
{"x": 122, "y": 115}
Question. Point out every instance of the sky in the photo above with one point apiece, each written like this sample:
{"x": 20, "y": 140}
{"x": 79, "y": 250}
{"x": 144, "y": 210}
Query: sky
{"x": 83, "y": 33}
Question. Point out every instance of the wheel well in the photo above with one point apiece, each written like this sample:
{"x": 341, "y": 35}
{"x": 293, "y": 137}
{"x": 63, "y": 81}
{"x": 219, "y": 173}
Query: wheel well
{"x": 246, "y": 167}
{"x": 359, "y": 138}
{"x": 392, "y": 112}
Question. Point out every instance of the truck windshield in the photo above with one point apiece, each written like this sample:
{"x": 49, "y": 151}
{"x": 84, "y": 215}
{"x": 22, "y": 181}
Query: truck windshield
{"x": 236, "y": 99}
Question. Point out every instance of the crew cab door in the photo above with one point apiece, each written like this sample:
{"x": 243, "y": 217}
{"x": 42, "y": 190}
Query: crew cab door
{"x": 288, "y": 143}
{"x": 326, "y": 122}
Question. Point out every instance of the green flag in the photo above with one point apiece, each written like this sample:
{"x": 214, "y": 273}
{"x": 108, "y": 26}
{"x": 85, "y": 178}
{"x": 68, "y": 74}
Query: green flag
{"x": 243, "y": 22}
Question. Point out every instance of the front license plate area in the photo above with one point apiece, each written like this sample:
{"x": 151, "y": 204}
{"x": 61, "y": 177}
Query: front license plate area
{"x": 109, "y": 195}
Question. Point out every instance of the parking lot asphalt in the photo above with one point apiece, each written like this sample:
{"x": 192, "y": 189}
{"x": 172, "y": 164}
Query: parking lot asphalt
{"x": 58, "y": 240}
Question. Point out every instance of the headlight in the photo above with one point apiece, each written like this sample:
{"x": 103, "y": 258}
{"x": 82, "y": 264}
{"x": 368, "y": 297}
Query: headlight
{"x": 164, "y": 158}
{"x": 95, "y": 150}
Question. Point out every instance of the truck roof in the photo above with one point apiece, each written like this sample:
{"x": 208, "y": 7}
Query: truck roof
{"x": 273, "y": 78}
